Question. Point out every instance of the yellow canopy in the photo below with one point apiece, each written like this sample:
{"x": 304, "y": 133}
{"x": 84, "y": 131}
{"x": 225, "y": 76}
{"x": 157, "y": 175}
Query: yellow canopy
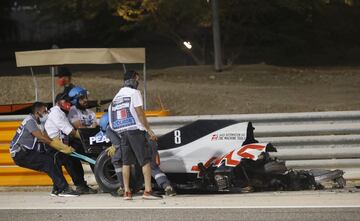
{"x": 53, "y": 57}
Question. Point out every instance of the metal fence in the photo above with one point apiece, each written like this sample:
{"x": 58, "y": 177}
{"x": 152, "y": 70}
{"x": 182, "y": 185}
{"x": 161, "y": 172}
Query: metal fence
{"x": 305, "y": 140}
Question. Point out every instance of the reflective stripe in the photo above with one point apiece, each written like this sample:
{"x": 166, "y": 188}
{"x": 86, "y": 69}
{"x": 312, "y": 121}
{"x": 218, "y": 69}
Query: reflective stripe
{"x": 13, "y": 152}
{"x": 157, "y": 176}
{"x": 18, "y": 134}
{"x": 17, "y": 148}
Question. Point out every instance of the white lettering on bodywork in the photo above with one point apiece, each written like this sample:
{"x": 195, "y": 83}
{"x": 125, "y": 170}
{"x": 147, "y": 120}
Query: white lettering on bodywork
{"x": 98, "y": 139}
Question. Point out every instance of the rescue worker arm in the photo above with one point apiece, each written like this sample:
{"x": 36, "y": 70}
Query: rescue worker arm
{"x": 94, "y": 124}
{"x": 74, "y": 118}
{"x": 55, "y": 143}
{"x": 41, "y": 137}
{"x": 75, "y": 133}
{"x": 115, "y": 141}
{"x": 113, "y": 137}
{"x": 60, "y": 146}
{"x": 138, "y": 106}
{"x": 32, "y": 127}
{"x": 142, "y": 118}
{"x": 61, "y": 123}
{"x": 157, "y": 159}
{"x": 93, "y": 116}
{"x": 77, "y": 124}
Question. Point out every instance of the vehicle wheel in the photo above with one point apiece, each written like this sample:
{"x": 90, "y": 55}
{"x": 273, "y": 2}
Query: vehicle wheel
{"x": 275, "y": 167}
{"x": 105, "y": 174}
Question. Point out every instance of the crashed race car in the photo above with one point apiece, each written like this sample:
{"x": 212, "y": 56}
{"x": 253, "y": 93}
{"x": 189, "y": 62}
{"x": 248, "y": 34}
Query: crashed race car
{"x": 213, "y": 156}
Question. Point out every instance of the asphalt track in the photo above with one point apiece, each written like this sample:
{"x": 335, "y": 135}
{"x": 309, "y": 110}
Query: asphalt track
{"x": 249, "y": 214}
{"x": 301, "y": 205}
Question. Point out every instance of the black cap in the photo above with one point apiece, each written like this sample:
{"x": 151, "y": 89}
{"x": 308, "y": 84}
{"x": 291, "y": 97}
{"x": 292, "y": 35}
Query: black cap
{"x": 63, "y": 71}
{"x": 130, "y": 74}
{"x": 61, "y": 96}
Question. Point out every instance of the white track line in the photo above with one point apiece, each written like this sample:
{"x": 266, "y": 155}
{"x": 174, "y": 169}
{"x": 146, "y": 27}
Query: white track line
{"x": 190, "y": 208}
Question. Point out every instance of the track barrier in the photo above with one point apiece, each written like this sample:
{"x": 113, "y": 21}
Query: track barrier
{"x": 327, "y": 140}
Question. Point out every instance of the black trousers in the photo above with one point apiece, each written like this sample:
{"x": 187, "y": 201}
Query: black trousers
{"x": 72, "y": 165}
{"x": 42, "y": 162}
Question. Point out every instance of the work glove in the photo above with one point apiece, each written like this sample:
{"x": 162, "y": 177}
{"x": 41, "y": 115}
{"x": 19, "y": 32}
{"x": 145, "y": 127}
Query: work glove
{"x": 61, "y": 147}
{"x": 110, "y": 151}
{"x": 77, "y": 134}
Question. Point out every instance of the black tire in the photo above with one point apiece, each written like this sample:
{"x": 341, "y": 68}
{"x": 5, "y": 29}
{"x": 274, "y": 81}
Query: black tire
{"x": 105, "y": 174}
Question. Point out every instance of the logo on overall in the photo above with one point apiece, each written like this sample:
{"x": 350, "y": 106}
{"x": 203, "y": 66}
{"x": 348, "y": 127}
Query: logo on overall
{"x": 214, "y": 137}
{"x": 99, "y": 138}
{"x": 87, "y": 120}
{"x": 228, "y": 136}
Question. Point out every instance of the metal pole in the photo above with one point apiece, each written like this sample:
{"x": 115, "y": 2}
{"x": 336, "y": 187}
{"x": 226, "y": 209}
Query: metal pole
{"x": 35, "y": 84}
{"x": 216, "y": 36}
{"x": 52, "y": 70}
{"x": 144, "y": 71}
{"x": 124, "y": 67}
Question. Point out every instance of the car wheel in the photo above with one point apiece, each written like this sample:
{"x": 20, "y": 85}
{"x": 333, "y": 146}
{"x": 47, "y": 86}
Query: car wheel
{"x": 105, "y": 174}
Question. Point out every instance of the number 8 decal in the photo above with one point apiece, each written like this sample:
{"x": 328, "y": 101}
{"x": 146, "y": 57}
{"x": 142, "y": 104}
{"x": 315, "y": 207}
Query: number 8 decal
{"x": 177, "y": 137}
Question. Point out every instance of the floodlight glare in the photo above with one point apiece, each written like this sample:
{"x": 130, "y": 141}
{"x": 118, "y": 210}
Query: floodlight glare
{"x": 187, "y": 44}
